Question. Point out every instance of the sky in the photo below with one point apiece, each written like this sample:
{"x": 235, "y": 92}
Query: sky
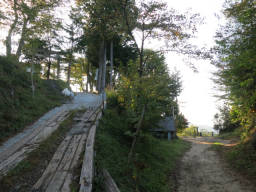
{"x": 197, "y": 101}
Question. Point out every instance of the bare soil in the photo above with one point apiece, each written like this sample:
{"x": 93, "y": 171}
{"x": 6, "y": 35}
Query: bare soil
{"x": 202, "y": 169}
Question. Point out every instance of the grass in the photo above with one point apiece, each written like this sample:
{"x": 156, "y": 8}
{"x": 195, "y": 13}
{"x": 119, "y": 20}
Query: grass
{"x": 28, "y": 171}
{"x": 153, "y": 164}
{"x": 241, "y": 158}
{"x": 18, "y": 108}
{"x": 236, "y": 134}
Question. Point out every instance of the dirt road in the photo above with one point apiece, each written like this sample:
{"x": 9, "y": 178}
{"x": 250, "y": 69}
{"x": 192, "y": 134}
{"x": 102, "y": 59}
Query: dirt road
{"x": 203, "y": 171}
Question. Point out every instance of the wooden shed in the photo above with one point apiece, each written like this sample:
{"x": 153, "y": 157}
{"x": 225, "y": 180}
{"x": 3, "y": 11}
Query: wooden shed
{"x": 166, "y": 129}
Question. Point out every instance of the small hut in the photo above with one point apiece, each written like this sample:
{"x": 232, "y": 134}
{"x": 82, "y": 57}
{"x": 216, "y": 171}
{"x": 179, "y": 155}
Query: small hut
{"x": 166, "y": 129}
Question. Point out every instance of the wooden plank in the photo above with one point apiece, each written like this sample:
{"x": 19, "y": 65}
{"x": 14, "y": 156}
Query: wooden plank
{"x": 110, "y": 185}
{"x": 67, "y": 182}
{"x": 68, "y": 179}
{"x": 10, "y": 162}
{"x": 24, "y": 141}
{"x": 57, "y": 181}
{"x": 86, "y": 177}
{"x": 79, "y": 150}
{"x": 60, "y": 168}
{"x": 45, "y": 179}
{"x": 63, "y": 168}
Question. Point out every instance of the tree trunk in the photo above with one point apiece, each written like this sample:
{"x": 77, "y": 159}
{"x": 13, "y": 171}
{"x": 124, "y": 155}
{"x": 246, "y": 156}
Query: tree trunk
{"x": 142, "y": 54}
{"x": 49, "y": 65}
{"x": 139, "y": 125}
{"x": 9, "y": 36}
{"x": 22, "y": 38}
{"x": 101, "y": 63}
{"x": 111, "y": 65}
{"x": 104, "y": 70}
{"x": 71, "y": 54}
{"x": 88, "y": 77}
{"x": 69, "y": 71}
{"x": 58, "y": 68}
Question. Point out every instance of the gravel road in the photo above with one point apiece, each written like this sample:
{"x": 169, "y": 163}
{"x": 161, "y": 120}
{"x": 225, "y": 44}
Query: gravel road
{"x": 203, "y": 171}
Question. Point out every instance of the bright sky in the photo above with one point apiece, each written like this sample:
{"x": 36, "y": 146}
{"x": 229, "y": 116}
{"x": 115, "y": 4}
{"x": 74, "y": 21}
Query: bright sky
{"x": 197, "y": 100}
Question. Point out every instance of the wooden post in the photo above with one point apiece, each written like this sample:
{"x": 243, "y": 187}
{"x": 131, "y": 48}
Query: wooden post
{"x": 58, "y": 67}
{"x": 111, "y": 65}
{"x": 169, "y": 136}
{"x": 110, "y": 185}
{"x": 101, "y": 63}
{"x": 104, "y": 70}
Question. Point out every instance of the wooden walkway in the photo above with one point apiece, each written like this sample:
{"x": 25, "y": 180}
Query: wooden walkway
{"x": 15, "y": 153}
{"x": 58, "y": 175}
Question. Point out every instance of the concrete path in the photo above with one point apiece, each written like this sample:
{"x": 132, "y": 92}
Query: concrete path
{"x": 15, "y": 149}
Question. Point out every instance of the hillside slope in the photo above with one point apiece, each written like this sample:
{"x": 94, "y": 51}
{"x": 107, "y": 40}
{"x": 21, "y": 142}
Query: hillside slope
{"x": 18, "y": 107}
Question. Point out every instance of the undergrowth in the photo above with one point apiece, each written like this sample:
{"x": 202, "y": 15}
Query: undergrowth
{"x": 152, "y": 164}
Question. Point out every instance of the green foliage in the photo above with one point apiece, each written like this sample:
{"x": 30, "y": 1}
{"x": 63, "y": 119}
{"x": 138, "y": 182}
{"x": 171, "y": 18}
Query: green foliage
{"x": 156, "y": 89}
{"x": 17, "y": 106}
{"x": 112, "y": 98}
{"x": 241, "y": 158}
{"x": 226, "y": 120}
{"x": 190, "y": 131}
{"x": 153, "y": 162}
{"x": 181, "y": 122}
{"x": 236, "y": 61}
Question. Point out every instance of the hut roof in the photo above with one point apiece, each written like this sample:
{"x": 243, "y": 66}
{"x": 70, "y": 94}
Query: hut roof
{"x": 166, "y": 125}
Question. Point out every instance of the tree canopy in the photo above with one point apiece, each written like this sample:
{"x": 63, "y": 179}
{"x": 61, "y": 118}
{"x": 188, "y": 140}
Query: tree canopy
{"x": 236, "y": 61}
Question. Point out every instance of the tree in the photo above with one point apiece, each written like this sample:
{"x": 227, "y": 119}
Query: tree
{"x": 226, "y": 120}
{"x": 104, "y": 22}
{"x": 156, "y": 21}
{"x": 20, "y": 16}
{"x": 181, "y": 122}
{"x": 236, "y": 58}
{"x": 154, "y": 93}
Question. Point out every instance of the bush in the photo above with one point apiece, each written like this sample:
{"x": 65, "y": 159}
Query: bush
{"x": 112, "y": 98}
{"x": 153, "y": 161}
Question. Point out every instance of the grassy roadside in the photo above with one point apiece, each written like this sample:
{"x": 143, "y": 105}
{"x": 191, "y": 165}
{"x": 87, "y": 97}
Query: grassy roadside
{"x": 240, "y": 158}
{"x": 28, "y": 171}
{"x": 234, "y": 135}
{"x": 18, "y": 107}
{"x": 154, "y": 164}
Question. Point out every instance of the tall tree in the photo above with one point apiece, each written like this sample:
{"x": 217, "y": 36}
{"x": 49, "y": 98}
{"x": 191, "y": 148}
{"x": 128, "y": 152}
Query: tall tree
{"x": 236, "y": 58}
{"x": 156, "y": 21}
{"x": 20, "y": 16}
{"x": 104, "y": 22}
